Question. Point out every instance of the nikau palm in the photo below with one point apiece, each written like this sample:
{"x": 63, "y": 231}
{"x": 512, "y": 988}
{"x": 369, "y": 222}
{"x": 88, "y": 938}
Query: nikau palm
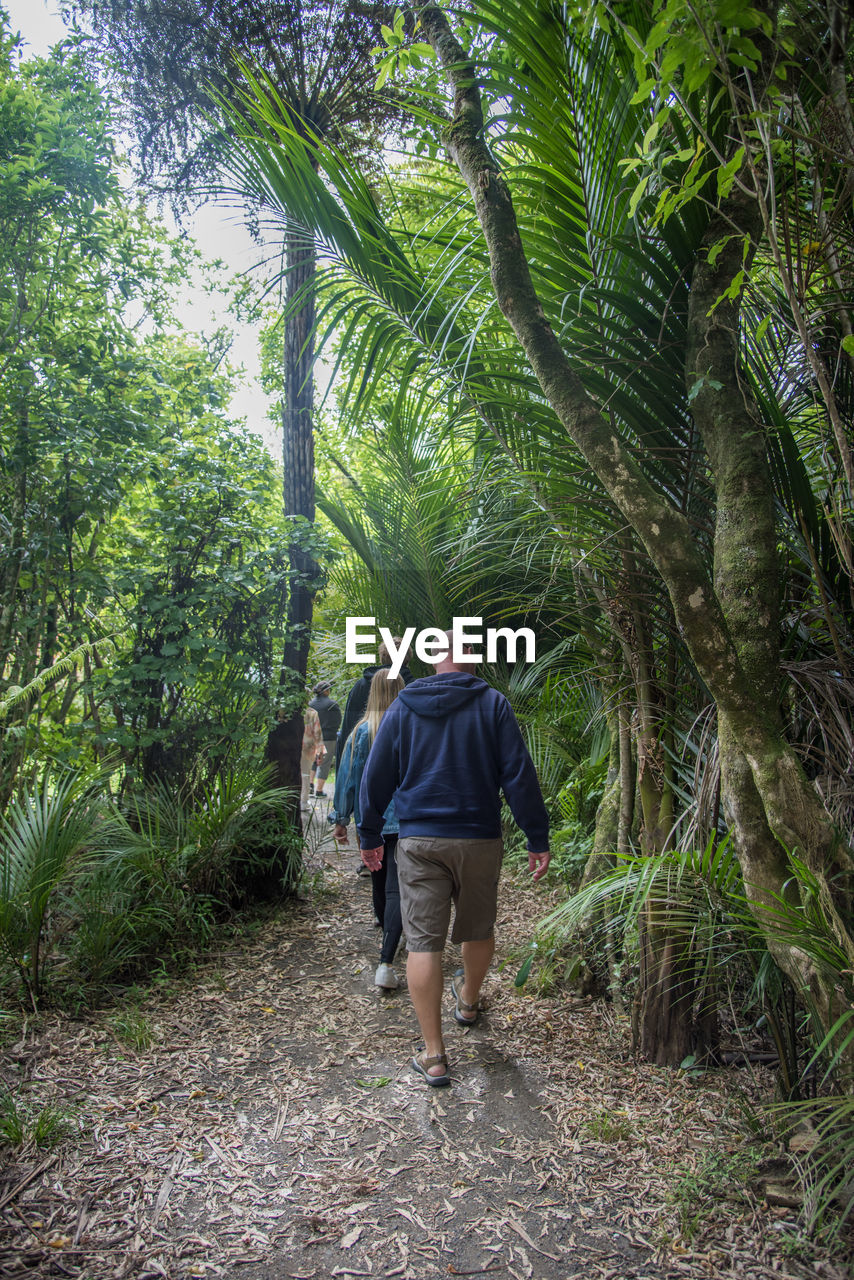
{"x": 772, "y": 807}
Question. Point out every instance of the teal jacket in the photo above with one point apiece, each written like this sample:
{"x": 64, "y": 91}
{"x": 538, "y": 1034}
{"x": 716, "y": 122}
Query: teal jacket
{"x": 348, "y": 777}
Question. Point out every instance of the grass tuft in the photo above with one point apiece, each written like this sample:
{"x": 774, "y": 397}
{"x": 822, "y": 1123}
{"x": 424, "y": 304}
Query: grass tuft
{"x": 24, "y": 1124}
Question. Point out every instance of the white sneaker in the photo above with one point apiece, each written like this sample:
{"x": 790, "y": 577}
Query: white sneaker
{"x": 386, "y": 977}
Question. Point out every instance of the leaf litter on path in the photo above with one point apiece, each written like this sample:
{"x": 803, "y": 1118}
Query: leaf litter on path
{"x": 275, "y": 1129}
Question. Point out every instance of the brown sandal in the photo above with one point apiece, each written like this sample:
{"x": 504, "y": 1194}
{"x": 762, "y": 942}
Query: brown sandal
{"x": 422, "y": 1061}
{"x": 462, "y": 1004}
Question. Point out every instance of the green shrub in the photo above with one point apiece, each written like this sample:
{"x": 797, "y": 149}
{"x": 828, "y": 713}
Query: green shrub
{"x": 195, "y": 849}
{"x": 111, "y": 922}
{"x": 93, "y": 892}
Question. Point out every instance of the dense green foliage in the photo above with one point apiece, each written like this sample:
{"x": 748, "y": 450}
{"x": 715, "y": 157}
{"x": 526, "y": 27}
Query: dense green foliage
{"x": 142, "y": 583}
{"x": 596, "y": 376}
{"x": 139, "y": 521}
{"x": 94, "y": 889}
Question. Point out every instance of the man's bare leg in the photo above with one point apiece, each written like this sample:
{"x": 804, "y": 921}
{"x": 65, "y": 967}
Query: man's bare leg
{"x": 477, "y": 957}
{"x": 424, "y": 979}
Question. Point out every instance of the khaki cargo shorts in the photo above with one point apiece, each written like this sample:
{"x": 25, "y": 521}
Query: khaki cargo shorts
{"x": 433, "y": 873}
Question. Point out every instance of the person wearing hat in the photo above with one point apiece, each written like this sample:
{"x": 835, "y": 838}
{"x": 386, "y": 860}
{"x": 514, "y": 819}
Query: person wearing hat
{"x": 330, "y": 718}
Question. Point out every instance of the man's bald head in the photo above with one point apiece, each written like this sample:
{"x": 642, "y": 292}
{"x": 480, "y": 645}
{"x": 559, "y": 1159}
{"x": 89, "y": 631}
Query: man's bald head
{"x": 447, "y": 663}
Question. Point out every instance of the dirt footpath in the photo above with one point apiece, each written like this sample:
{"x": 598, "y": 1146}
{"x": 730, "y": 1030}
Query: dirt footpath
{"x": 274, "y": 1128}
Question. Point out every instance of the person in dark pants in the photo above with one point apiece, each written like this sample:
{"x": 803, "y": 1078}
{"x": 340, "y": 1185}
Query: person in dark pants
{"x": 348, "y": 775}
{"x": 330, "y": 718}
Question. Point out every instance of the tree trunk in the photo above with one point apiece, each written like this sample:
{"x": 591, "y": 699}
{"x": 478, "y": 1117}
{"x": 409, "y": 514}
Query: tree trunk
{"x": 284, "y": 745}
{"x": 610, "y": 820}
{"x": 606, "y": 829}
{"x": 14, "y": 560}
{"x": 664, "y": 1025}
{"x": 746, "y": 575}
{"x": 298, "y": 500}
{"x": 674, "y": 1016}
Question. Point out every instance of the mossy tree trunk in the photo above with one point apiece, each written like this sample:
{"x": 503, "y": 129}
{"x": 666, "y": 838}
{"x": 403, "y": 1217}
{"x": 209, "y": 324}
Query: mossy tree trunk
{"x": 769, "y": 804}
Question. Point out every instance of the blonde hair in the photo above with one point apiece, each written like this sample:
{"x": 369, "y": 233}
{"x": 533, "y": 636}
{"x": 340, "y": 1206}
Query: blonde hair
{"x": 381, "y": 695}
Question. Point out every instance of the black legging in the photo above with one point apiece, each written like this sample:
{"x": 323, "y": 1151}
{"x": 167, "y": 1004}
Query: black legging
{"x": 386, "y": 895}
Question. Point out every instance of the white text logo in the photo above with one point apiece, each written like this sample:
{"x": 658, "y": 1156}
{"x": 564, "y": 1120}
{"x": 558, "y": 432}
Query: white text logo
{"x": 432, "y": 645}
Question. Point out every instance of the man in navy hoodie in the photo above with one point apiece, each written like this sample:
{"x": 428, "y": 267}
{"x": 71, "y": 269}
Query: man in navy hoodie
{"x": 446, "y": 749}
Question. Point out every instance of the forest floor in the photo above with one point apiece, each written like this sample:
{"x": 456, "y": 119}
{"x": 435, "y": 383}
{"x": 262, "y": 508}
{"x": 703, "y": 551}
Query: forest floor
{"x": 268, "y": 1125}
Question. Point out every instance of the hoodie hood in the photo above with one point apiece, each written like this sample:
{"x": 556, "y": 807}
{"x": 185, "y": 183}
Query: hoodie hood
{"x": 440, "y": 695}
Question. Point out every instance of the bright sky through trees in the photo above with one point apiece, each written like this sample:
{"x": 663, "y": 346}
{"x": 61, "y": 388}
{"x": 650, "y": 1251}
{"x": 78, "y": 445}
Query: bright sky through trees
{"x": 219, "y": 233}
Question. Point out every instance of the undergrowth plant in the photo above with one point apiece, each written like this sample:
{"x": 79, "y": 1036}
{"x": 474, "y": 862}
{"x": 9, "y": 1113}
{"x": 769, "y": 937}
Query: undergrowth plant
{"x": 92, "y": 890}
{"x": 51, "y": 832}
{"x": 576, "y": 803}
{"x": 825, "y": 1168}
{"x": 697, "y": 1193}
{"x": 112, "y": 919}
{"x": 707, "y": 902}
{"x": 609, "y": 1126}
{"x": 25, "y": 1124}
{"x": 133, "y": 1028}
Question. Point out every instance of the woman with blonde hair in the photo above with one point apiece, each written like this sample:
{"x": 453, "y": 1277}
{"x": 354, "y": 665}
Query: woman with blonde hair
{"x": 384, "y": 887}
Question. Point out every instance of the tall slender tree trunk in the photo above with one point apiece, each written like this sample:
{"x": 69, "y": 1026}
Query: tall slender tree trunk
{"x": 667, "y": 1022}
{"x": 606, "y": 830}
{"x": 298, "y": 499}
{"x": 298, "y": 457}
{"x": 13, "y": 563}
{"x": 612, "y": 815}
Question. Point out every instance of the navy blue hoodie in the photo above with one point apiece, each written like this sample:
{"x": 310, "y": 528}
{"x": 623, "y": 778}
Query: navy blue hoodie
{"x": 445, "y": 748}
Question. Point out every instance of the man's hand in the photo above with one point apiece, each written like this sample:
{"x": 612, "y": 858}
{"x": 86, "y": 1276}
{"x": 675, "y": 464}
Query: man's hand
{"x": 373, "y": 858}
{"x": 339, "y": 831}
{"x": 538, "y": 863}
